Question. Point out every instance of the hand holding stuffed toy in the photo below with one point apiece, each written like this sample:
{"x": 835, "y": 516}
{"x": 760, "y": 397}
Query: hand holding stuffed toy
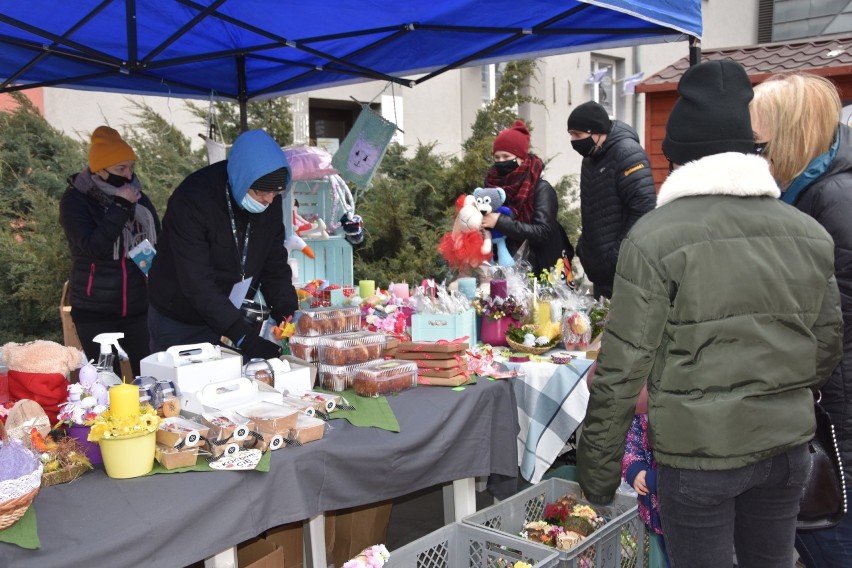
{"x": 467, "y": 245}
{"x": 491, "y": 200}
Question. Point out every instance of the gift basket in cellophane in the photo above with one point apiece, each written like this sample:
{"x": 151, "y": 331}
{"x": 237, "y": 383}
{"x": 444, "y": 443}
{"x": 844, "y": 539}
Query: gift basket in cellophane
{"x": 20, "y": 479}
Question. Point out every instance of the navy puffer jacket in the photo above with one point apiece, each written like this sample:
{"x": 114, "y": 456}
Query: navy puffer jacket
{"x": 829, "y": 201}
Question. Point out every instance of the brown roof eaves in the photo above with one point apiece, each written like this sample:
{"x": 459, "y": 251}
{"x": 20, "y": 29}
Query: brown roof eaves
{"x": 765, "y": 60}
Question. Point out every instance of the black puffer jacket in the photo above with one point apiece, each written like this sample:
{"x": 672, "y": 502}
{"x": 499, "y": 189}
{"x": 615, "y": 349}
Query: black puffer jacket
{"x": 616, "y": 189}
{"x": 545, "y": 236}
{"x": 198, "y": 263}
{"x": 99, "y": 283}
{"x": 829, "y": 201}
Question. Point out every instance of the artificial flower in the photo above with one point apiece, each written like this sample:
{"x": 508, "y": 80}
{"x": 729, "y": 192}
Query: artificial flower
{"x": 106, "y": 426}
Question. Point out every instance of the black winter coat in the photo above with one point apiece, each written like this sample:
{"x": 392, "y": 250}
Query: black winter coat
{"x": 616, "y": 189}
{"x": 544, "y": 234}
{"x": 829, "y": 201}
{"x": 198, "y": 262}
{"x": 101, "y": 285}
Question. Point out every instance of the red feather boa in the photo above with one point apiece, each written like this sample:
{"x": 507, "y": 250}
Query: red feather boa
{"x": 463, "y": 249}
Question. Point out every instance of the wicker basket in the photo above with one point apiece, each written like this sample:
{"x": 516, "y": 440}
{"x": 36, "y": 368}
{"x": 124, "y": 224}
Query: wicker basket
{"x": 527, "y": 349}
{"x": 16, "y": 495}
{"x": 63, "y": 475}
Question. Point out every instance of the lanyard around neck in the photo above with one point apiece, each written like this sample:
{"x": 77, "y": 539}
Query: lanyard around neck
{"x": 244, "y": 253}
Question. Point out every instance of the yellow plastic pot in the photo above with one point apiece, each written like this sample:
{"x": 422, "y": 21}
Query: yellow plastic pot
{"x": 130, "y": 456}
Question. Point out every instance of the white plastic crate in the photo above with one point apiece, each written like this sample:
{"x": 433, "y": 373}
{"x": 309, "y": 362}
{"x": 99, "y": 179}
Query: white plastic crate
{"x": 621, "y": 543}
{"x": 465, "y": 546}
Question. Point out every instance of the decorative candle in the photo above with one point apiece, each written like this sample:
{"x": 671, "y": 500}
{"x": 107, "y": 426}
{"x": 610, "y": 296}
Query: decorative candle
{"x": 367, "y": 288}
{"x": 400, "y": 290}
{"x": 124, "y": 401}
{"x": 499, "y": 289}
{"x": 542, "y": 314}
{"x": 467, "y": 286}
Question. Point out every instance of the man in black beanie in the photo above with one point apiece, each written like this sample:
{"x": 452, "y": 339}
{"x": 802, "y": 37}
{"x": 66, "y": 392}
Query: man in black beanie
{"x": 726, "y": 306}
{"x": 616, "y": 189}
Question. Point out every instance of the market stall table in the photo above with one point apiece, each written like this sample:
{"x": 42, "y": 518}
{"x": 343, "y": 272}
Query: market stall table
{"x": 552, "y": 403}
{"x": 178, "y": 519}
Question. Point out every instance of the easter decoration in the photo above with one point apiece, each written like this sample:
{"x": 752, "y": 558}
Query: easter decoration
{"x": 491, "y": 200}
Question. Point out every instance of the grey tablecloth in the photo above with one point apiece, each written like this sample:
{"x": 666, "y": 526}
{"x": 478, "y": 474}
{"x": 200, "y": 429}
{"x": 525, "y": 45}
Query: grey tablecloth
{"x": 178, "y": 519}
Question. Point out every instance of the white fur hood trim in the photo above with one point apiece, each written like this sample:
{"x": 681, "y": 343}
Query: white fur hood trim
{"x": 731, "y": 173}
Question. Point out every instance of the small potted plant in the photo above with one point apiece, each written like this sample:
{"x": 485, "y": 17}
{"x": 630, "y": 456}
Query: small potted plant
{"x": 86, "y": 400}
{"x": 497, "y": 313}
{"x": 126, "y": 433}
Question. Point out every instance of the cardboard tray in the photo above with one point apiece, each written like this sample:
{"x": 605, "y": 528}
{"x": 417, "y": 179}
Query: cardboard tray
{"x": 172, "y": 431}
{"x": 431, "y": 347}
{"x": 170, "y": 458}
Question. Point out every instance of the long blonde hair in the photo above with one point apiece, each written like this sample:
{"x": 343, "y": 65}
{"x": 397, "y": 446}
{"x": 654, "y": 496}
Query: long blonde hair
{"x": 798, "y": 114}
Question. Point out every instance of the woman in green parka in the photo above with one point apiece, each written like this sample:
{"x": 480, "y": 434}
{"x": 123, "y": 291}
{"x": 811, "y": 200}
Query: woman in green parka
{"x": 725, "y": 300}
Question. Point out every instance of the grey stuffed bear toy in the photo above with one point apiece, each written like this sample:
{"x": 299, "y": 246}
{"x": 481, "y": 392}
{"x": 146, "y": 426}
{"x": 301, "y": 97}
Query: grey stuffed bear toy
{"x": 491, "y": 200}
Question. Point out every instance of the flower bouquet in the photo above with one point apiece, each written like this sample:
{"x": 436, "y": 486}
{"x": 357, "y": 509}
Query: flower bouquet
{"x": 283, "y": 332}
{"x": 105, "y": 426}
{"x": 495, "y": 307}
{"x": 373, "y": 557}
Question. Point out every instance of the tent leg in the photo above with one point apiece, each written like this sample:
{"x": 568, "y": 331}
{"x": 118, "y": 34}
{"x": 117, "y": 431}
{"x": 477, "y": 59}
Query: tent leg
{"x": 694, "y": 51}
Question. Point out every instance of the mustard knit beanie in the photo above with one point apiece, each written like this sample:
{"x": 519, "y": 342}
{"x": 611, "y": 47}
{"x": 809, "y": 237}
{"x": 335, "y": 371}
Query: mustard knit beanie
{"x": 108, "y": 149}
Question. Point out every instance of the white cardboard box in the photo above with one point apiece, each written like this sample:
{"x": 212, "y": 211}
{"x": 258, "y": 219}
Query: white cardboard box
{"x": 192, "y": 367}
{"x": 229, "y": 394}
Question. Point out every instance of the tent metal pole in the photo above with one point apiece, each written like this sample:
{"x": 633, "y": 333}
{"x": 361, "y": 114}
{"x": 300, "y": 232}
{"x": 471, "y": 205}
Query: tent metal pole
{"x": 694, "y": 51}
{"x": 242, "y": 92}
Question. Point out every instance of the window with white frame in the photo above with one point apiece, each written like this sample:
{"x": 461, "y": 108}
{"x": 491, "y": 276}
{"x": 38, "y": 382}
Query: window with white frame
{"x": 492, "y": 76}
{"x": 603, "y": 83}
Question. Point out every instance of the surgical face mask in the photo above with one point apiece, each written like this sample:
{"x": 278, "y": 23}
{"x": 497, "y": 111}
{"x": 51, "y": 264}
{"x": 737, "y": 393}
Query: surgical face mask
{"x": 506, "y": 167}
{"x": 116, "y": 180}
{"x": 251, "y": 205}
{"x": 585, "y": 146}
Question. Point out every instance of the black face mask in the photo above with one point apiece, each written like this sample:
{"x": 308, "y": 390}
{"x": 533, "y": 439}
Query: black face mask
{"x": 506, "y": 167}
{"x": 117, "y": 180}
{"x": 585, "y": 147}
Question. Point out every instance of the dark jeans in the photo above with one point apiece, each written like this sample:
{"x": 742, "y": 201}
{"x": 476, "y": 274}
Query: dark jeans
{"x": 135, "y": 342}
{"x": 827, "y": 548}
{"x": 166, "y": 332}
{"x": 708, "y": 514}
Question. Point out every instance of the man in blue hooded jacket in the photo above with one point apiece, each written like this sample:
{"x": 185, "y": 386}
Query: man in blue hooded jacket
{"x": 223, "y": 226}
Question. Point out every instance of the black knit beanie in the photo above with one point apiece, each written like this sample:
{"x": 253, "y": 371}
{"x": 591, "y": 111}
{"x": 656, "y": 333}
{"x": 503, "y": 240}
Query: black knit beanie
{"x": 711, "y": 115}
{"x": 590, "y": 117}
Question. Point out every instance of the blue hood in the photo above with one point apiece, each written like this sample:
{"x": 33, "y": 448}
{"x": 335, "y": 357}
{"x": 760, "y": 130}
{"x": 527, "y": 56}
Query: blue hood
{"x": 253, "y": 155}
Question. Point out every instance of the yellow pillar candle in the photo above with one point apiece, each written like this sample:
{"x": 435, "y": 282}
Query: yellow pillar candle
{"x": 366, "y": 288}
{"x": 542, "y": 314}
{"x": 124, "y": 401}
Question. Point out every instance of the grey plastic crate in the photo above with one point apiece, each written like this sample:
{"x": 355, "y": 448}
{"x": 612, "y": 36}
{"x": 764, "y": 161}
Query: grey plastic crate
{"x": 621, "y": 543}
{"x": 460, "y": 545}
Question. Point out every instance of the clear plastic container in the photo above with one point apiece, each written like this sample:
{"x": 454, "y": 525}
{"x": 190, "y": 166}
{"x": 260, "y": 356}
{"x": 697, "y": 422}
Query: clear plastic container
{"x": 305, "y": 347}
{"x": 327, "y": 321}
{"x": 385, "y": 377}
{"x": 338, "y": 377}
{"x": 351, "y": 348}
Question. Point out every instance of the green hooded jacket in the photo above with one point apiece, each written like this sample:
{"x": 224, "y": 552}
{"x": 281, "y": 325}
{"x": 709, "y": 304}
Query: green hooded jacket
{"x": 725, "y": 301}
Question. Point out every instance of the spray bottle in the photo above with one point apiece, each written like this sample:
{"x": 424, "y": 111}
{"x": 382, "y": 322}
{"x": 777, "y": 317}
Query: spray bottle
{"x": 106, "y": 376}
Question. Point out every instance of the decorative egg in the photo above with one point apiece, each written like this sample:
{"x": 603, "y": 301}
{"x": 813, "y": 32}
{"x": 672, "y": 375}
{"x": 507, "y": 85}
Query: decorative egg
{"x": 100, "y": 392}
{"x": 529, "y": 340}
{"x": 542, "y": 340}
{"x": 89, "y": 402}
{"x": 88, "y": 374}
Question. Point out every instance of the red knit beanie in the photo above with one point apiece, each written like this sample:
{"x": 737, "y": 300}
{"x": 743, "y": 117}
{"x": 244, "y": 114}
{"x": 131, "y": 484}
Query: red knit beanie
{"x": 515, "y": 140}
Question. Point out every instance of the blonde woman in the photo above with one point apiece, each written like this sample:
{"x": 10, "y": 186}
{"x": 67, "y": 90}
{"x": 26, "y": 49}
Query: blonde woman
{"x": 795, "y": 119}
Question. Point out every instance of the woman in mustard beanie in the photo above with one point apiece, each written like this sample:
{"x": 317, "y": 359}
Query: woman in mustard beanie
{"x": 531, "y": 198}
{"x": 105, "y": 214}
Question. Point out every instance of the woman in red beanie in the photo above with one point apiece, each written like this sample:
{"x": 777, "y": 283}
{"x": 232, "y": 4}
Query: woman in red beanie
{"x": 105, "y": 214}
{"x": 532, "y": 200}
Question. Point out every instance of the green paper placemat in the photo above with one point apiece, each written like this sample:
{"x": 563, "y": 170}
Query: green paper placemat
{"x": 24, "y": 532}
{"x": 368, "y": 413}
{"x": 202, "y": 465}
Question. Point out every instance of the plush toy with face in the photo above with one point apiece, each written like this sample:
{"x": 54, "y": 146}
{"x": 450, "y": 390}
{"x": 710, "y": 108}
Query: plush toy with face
{"x": 491, "y": 200}
{"x": 467, "y": 246}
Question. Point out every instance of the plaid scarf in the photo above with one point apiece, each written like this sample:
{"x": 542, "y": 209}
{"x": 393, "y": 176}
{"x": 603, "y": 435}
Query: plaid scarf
{"x": 519, "y": 186}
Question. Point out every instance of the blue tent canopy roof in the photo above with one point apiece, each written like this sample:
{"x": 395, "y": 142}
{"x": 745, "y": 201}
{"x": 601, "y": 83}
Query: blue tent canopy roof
{"x": 248, "y": 49}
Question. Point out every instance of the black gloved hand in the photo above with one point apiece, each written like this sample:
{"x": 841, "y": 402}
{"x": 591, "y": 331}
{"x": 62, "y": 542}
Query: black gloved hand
{"x": 255, "y": 346}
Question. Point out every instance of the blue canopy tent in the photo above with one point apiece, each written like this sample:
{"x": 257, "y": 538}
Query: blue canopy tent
{"x": 253, "y": 49}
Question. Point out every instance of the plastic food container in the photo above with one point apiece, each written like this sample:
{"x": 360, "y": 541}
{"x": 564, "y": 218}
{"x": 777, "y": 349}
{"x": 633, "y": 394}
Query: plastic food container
{"x": 351, "y": 348}
{"x": 337, "y": 377}
{"x": 385, "y": 377}
{"x": 327, "y": 321}
{"x": 305, "y": 347}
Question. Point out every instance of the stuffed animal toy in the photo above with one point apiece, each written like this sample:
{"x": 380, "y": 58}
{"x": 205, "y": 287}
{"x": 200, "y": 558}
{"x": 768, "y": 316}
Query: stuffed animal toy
{"x": 491, "y": 200}
{"x": 562, "y": 274}
{"x": 467, "y": 246}
{"x": 39, "y": 370}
